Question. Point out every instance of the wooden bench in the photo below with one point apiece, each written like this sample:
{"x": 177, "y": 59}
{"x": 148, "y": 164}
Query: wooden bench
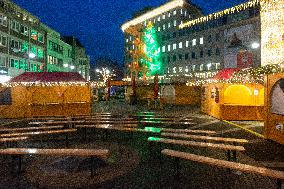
{"x": 188, "y": 131}
{"x": 65, "y": 131}
{"x": 206, "y": 138}
{"x": 279, "y": 175}
{"x": 103, "y": 153}
{"x": 167, "y": 122}
{"x": 229, "y": 148}
{"x": 30, "y": 128}
{"x": 9, "y": 141}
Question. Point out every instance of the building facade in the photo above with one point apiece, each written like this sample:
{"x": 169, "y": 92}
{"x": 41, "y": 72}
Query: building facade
{"x": 22, "y": 41}
{"x": 191, "y": 45}
{"x": 27, "y": 45}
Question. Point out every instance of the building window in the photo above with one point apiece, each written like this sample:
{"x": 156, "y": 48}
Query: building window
{"x": 169, "y": 25}
{"x": 3, "y": 40}
{"x": 217, "y": 52}
{"x": 174, "y": 70}
{"x": 218, "y": 66}
{"x": 40, "y": 37}
{"x": 40, "y": 53}
{"x": 186, "y": 56}
{"x": 180, "y": 56}
{"x": 180, "y": 69}
{"x": 209, "y": 39}
{"x": 15, "y": 26}
{"x": 159, "y": 28}
{"x": 193, "y": 42}
{"x": 174, "y": 46}
{"x": 174, "y": 58}
{"x": 185, "y": 12}
{"x": 3, "y": 61}
{"x": 201, "y": 41}
{"x": 169, "y": 15}
{"x": 164, "y": 17}
{"x": 175, "y": 23}
{"x": 209, "y": 66}
{"x": 163, "y": 48}
{"x": 174, "y": 34}
{"x": 181, "y": 11}
{"x": 201, "y": 53}
{"x": 186, "y": 43}
{"x": 175, "y": 12}
{"x": 3, "y": 20}
{"x": 14, "y": 63}
{"x": 169, "y": 47}
{"x": 164, "y": 26}
{"x": 33, "y": 34}
{"x": 25, "y": 47}
{"x": 169, "y": 59}
{"x": 209, "y": 52}
{"x": 159, "y": 19}
{"x": 180, "y": 45}
{"x": 193, "y": 67}
{"x": 186, "y": 69}
{"x": 193, "y": 55}
{"x": 24, "y": 30}
{"x": 201, "y": 67}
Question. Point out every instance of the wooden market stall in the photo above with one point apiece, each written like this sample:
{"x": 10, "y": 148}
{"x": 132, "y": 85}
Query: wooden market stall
{"x": 232, "y": 101}
{"x": 45, "y": 94}
{"x": 274, "y": 103}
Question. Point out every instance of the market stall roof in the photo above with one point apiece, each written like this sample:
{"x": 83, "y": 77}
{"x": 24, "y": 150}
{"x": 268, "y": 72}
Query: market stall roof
{"x": 48, "y": 77}
{"x": 225, "y": 73}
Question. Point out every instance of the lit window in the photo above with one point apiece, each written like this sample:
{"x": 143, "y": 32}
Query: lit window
{"x": 145, "y": 23}
{"x": 201, "y": 67}
{"x": 181, "y": 22}
{"x": 174, "y": 46}
{"x": 169, "y": 47}
{"x": 40, "y": 37}
{"x": 218, "y": 66}
{"x": 186, "y": 69}
{"x": 193, "y": 67}
{"x": 169, "y": 15}
{"x": 186, "y": 43}
{"x": 168, "y": 70}
{"x": 181, "y": 11}
{"x": 126, "y": 40}
{"x": 175, "y": 12}
{"x": 154, "y": 20}
{"x": 193, "y": 42}
{"x": 159, "y": 49}
{"x": 164, "y": 26}
{"x": 201, "y": 40}
{"x": 163, "y": 48}
{"x": 180, "y": 45}
{"x": 175, "y": 23}
{"x": 164, "y": 17}
{"x": 130, "y": 38}
{"x": 209, "y": 66}
{"x": 159, "y": 28}
{"x": 180, "y": 69}
{"x": 159, "y": 19}
{"x": 174, "y": 70}
{"x": 185, "y": 12}
{"x": 169, "y": 25}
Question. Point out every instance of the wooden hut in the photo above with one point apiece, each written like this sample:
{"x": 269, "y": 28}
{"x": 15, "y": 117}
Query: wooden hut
{"x": 45, "y": 94}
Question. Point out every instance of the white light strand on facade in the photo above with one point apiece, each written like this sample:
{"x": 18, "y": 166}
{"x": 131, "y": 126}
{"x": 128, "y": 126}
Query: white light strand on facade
{"x": 153, "y": 13}
{"x": 217, "y": 15}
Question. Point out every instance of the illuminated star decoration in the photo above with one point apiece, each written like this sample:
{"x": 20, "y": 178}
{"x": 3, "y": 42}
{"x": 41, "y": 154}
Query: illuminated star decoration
{"x": 151, "y": 50}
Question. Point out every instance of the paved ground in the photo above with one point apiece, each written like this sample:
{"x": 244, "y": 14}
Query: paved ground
{"x": 132, "y": 163}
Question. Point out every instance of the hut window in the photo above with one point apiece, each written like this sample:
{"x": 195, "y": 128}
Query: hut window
{"x": 6, "y": 97}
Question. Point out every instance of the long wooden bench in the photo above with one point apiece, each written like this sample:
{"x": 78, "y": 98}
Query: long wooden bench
{"x": 167, "y": 122}
{"x": 103, "y": 153}
{"x": 229, "y": 148}
{"x": 10, "y": 141}
{"x": 207, "y": 138}
{"x": 31, "y": 128}
{"x": 279, "y": 175}
{"x": 83, "y": 122}
{"x": 188, "y": 131}
{"x": 62, "y": 131}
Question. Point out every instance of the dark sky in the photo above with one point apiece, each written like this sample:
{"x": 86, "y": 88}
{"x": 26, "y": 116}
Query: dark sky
{"x": 97, "y": 22}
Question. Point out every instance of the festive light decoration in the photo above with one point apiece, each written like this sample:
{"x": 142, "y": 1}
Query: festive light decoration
{"x": 272, "y": 31}
{"x": 217, "y": 15}
{"x": 160, "y": 10}
{"x": 151, "y": 50}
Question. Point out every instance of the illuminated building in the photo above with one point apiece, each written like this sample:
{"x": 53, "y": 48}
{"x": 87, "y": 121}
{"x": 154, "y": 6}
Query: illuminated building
{"x": 27, "y": 45}
{"x": 22, "y": 41}
{"x": 191, "y": 45}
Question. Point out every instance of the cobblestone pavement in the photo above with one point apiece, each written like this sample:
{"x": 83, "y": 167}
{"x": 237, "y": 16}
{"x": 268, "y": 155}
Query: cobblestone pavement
{"x": 134, "y": 164}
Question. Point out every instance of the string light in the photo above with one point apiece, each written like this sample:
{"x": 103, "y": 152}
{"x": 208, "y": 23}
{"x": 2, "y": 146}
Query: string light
{"x": 160, "y": 10}
{"x": 217, "y": 15}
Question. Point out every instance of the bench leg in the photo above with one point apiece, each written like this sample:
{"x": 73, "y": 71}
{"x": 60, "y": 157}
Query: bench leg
{"x": 279, "y": 184}
{"x": 92, "y": 166}
{"x": 19, "y": 164}
{"x": 177, "y": 161}
{"x": 229, "y": 155}
{"x": 66, "y": 140}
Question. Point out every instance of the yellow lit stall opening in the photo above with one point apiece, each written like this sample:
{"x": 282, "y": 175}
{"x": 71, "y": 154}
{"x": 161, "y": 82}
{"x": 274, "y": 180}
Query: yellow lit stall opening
{"x": 272, "y": 31}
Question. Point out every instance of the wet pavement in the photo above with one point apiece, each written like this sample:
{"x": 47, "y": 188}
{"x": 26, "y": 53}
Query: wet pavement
{"x": 136, "y": 164}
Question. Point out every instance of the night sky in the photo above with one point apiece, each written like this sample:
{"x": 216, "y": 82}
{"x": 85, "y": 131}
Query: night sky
{"x": 97, "y": 22}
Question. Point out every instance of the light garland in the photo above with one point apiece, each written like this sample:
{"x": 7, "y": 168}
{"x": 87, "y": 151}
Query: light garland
{"x": 217, "y": 15}
{"x": 160, "y": 10}
{"x": 272, "y": 31}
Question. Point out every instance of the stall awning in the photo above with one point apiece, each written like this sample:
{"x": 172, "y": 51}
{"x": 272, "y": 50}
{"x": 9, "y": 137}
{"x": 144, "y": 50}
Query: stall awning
{"x": 225, "y": 73}
{"x": 48, "y": 77}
